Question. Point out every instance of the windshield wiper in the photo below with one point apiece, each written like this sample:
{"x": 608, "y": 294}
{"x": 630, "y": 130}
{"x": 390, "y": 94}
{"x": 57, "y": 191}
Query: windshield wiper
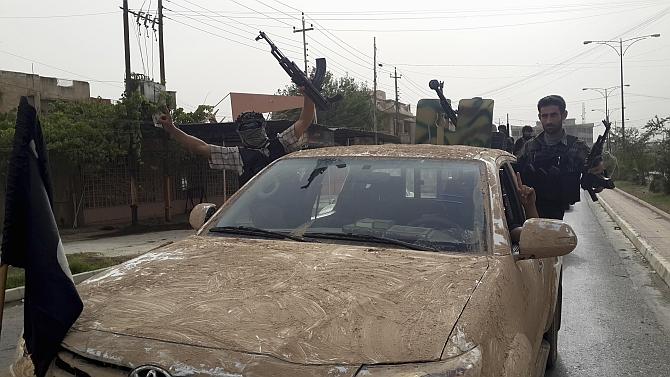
{"x": 252, "y": 231}
{"x": 369, "y": 238}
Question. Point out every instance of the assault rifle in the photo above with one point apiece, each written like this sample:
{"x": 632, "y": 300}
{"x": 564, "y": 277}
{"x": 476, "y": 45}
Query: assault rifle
{"x": 312, "y": 87}
{"x": 590, "y": 182}
{"x": 437, "y": 87}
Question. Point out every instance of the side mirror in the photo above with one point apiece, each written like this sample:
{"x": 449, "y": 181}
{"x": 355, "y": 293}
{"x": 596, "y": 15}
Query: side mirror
{"x": 200, "y": 214}
{"x": 546, "y": 238}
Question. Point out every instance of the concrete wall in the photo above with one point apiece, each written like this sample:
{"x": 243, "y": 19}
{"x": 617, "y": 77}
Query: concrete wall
{"x": 583, "y": 131}
{"x": 13, "y": 85}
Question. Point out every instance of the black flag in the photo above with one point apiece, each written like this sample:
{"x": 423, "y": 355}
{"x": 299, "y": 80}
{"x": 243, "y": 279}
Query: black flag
{"x": 30, "y": 240}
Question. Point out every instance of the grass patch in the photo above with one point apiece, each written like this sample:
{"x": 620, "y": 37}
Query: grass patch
{"x": 79, "y": 262}
{"x": 658, "y": 200}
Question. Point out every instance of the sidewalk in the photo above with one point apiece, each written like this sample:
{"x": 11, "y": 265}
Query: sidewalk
{"x": 134, "y": 244}
{"x": 645, "y": 225}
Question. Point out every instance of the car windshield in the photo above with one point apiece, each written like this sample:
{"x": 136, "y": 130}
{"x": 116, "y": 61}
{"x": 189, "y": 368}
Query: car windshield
{"x": 430, "y": 204}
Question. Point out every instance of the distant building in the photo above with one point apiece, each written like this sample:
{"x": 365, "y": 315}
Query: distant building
{"x": 386, "y": 112}
{"x": 13, "y": 85}
{"x": 583, "y": 131}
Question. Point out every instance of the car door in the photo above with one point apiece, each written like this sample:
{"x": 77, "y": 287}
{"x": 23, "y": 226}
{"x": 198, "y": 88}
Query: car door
{"x": 531, "y": 273}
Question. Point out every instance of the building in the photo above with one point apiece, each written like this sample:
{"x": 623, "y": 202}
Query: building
{"x": 583, "y": 131}
{"x": 44, "y": 90}
{"x": 386, "y": 118}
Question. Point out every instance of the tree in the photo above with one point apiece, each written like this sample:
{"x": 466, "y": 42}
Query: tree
{"x": 658, "y": 127}
{"x": 202, "y": 114}
{"x": 354, "y": 110}
{"x": 632, "y": 154}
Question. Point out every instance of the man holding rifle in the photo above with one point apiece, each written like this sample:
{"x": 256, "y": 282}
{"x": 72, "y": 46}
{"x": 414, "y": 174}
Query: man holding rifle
{"x": 555, "y": 163}
{"x": 257, "y": 150}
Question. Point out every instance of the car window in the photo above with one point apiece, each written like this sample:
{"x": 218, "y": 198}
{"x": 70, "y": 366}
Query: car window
{"x": 513, "y": 210}
{"x": 438, "y": 204}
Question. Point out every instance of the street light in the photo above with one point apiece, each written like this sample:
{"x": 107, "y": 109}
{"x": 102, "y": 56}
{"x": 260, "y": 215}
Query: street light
{"x": 621, "y": 51}
{"x": 605, "y": 92}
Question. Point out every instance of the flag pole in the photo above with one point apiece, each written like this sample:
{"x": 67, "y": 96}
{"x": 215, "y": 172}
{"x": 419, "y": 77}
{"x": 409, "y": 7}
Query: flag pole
{"x": 3, "y": 284}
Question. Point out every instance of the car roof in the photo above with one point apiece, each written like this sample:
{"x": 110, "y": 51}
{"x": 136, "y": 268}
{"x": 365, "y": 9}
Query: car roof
{"x": 428, "y": 151}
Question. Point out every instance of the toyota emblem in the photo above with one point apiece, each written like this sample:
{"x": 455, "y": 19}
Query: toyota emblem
{"x": 149, "y": 371}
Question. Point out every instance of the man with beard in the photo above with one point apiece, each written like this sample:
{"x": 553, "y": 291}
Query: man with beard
{"x": 553, "y": 162}
{"x": 526, "y": 134}
{"x": 257, "y": 150}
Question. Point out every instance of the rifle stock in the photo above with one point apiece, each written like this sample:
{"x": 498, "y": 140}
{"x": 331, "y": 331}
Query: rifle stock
{"x": 312, "y": 88}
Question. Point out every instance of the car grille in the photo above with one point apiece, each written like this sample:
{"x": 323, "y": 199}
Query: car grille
{"x": 69, "y": 364}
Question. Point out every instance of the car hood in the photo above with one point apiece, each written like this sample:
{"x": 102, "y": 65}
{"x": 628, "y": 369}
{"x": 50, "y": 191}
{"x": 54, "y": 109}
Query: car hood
{"x": 307, "y": 303}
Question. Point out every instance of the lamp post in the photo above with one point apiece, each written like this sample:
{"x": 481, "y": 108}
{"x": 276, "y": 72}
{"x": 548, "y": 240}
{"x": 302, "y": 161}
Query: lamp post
{"x": 605, "y": 92}
{"x": 621, "y": 51}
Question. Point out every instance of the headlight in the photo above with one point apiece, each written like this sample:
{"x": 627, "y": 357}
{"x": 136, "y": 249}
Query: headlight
{"x": 468, "y": 364}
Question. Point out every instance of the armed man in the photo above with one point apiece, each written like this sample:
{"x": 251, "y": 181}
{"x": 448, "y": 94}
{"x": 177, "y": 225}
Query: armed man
{"x": 553, "y": 162}
{"x": 257, "y": 150}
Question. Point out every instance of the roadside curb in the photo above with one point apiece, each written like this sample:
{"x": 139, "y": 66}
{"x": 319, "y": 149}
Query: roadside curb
{"x": 657, "y": 262}
{"x": 17, "y": 294}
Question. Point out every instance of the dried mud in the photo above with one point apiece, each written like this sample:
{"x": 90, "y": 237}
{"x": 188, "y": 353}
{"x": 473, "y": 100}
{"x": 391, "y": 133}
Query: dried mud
{"x": 302, "y": 303}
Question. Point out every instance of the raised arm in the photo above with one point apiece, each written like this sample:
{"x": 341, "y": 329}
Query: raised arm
{"x": 306, "y": 117}
{"x": 193, "y": 144}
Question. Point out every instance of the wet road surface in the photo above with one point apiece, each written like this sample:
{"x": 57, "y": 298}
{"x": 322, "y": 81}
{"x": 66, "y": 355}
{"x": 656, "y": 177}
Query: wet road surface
{"x": 616, "y": 310}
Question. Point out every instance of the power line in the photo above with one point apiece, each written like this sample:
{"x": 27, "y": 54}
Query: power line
{"x": 485, "y": 27}
{"x": 253, "y": 28}
{"x": 104, "y": 82}
{"x": 214, "y": 34}
{"x": 261, "y": 13}
{"x": 58, "y": 16}
{"x": 280, "y": 11}
{"x": 647, "y": 21}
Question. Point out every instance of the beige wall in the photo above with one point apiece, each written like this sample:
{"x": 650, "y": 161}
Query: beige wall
{"x": 13, "y": 85}
{"x": 262, "y": 103}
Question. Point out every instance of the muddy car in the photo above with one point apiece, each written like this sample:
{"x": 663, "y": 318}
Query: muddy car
{"x": 390, "y": 260}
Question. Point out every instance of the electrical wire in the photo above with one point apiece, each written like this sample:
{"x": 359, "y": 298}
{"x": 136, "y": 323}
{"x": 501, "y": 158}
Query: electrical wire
{"x": 58, "y": 16}
{"x": 254, "y": 28}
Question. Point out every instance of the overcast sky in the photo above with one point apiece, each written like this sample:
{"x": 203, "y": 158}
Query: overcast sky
{"x": 513, "y": 52}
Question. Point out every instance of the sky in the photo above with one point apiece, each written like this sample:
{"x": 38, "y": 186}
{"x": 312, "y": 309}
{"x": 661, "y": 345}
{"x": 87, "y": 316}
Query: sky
{"x": 514, "y": 52}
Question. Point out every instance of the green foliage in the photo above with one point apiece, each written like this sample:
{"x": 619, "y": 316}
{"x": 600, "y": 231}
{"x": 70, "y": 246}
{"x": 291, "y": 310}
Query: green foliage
{"x": 353, "y": 111}
{"x": 92, "y": 134}
{"x": 83, "y": 133}
{"x": 660, "y": 128}
{"x": 633, "y": 154}
{"x": 202, "y": 114}
{"x": 7, "y": 123}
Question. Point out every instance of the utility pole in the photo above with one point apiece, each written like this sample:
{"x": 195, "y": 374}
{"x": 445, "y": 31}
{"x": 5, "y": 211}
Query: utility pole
{"x": 304, "y": 40}
{"x": 126, "y": 44}
{"x": 132, "y": 160}
{"x": 397, "y": 109}
{"x": 374, "y": 87}
{"x": 161, "y": 50}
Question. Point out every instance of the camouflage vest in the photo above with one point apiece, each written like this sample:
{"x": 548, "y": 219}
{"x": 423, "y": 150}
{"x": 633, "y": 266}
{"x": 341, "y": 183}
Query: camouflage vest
{"x": 553, "y": 170}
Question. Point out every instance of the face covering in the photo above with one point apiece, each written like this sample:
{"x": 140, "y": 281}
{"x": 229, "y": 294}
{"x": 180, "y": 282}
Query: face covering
{"x": 253, "y": 136}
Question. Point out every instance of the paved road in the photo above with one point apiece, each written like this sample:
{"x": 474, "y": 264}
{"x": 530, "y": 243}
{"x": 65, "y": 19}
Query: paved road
{"x": 616, "y": 311}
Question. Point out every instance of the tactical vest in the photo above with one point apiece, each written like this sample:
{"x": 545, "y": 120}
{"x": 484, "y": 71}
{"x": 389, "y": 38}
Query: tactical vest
{"x": 553, "y": 170}
{"x": 254, "y": 160}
